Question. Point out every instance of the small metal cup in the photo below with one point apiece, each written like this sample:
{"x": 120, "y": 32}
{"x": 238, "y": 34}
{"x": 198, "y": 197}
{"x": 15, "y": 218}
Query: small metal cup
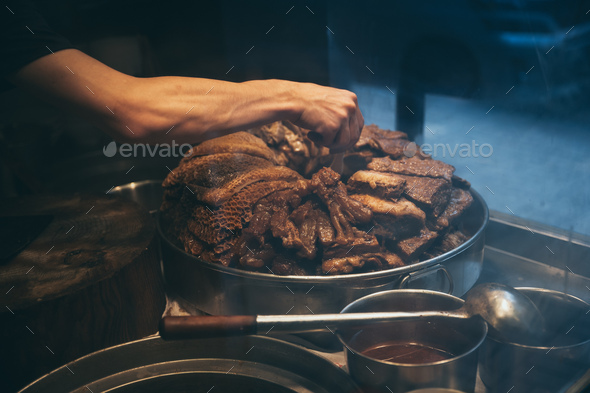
{"x": 460, "y": 337}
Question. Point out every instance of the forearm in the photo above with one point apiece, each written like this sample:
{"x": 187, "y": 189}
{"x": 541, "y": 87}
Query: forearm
{"x": 195, "y": 109}
{"x": 187, "y": 110}
{"x": 154, "y": 109}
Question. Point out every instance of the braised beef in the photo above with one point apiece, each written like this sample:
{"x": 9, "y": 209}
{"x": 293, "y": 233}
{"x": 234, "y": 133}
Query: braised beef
{"x": 379, "y": 184}
{"x": 265, "y": 201}
{"x": 413, "y": 166}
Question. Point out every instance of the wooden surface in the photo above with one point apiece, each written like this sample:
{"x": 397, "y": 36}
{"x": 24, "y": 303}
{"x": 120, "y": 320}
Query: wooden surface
{"x": 90, "y": 280}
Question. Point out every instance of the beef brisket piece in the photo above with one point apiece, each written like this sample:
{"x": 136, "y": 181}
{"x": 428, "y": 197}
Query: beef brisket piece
{"x": 460, "y": 182}
{"x": 379, "y": 184}
{"x": 375, "y": 139}
{"x": 410, "y": 249}
{"x": 431, "y": 194}
{"x": 459, "y": 201}
{"x": 413, "y": 166}
{"x": 371, "y": 134}
{"x": 393, "y": 219}
{"x": 357, "y": 160}
{"x": 363, "y": 243}
{"x": 395, "y": 148}
{"x": 361, "y": 263}
{"x": 446, "y": 243}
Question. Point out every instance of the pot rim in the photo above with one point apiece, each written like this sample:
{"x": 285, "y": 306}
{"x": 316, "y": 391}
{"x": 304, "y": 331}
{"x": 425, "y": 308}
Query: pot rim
{"x": 343, "y": 278}
{"x": 397, "y": 292}
{"x": 545, "y": 348}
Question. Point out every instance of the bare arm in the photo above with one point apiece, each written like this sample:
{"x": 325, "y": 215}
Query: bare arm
{"x": 189, "y": 110}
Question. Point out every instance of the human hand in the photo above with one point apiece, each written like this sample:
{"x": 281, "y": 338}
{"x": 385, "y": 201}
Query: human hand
{"x": 332, "y": 116}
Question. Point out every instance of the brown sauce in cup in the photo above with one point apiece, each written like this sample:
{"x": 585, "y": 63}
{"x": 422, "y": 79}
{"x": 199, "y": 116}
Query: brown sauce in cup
{"x": 408, "y": 353}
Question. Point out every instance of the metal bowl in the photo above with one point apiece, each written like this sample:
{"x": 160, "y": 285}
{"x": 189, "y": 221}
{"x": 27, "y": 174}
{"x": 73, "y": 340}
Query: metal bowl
{"x": 458, "y": 338}
{"x": 522, "y": 368}
{"x": 243, "y": 364}
{"x": 216, "y": 289}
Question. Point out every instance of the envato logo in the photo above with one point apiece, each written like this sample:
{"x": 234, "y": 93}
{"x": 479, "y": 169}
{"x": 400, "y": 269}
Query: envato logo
{"x": 442, "y": 150}
{"x": 163, "y": 150}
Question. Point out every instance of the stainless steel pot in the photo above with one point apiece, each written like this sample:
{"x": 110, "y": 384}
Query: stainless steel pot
{"x": 458, "y": 338}
{"x": 522, "y": 368}
{"x": 216, "y": 289}
{"x": 250, "y": 364}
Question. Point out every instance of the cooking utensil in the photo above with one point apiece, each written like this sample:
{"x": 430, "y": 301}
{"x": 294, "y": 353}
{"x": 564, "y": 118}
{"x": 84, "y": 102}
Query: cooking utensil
{"x": 216, "y": 289}
{"x": 459, "y": 339}
{"x": 510, "y": 314}
{"x": 238, "y": 364}
{"x": 551, "y": 367}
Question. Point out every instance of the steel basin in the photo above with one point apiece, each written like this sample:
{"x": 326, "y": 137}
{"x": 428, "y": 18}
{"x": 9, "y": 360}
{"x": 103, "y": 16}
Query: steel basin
{"x": 218, "y": 290}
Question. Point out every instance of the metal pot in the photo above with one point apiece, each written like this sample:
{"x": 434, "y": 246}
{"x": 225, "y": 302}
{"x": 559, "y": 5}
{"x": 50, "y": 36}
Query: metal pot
{"x": 522, "y": 368}
{"x": 216, "y": 289}
{"x": 458, "y": 338}
{"x": 246, "y": 364}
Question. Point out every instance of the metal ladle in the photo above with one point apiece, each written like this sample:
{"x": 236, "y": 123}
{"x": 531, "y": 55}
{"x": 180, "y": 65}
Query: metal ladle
{"x": 512, "y": 317}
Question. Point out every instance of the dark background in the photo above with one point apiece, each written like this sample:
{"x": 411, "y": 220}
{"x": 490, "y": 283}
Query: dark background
{"x": 447, "y": 61}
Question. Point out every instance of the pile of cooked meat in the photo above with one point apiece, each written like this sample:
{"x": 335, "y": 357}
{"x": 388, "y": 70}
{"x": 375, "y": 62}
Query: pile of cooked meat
{"x": 266, "y": 200}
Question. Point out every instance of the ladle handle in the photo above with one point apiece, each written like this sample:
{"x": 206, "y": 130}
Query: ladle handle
{"x": 231, "y": 325}
{"x": 174, "y": 328}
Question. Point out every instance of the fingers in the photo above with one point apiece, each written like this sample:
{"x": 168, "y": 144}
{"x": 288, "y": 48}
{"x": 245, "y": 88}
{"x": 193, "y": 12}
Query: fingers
{"x": 349, "y": 134}
{"x": 332, "y": 116}
{"x": 342, "y": 140}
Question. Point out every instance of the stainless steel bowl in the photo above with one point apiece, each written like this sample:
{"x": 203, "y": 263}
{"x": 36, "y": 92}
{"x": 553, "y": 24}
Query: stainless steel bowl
{"x": 216, "y": 289}
{"x": 249, "y": 364}
{"x": 458, "y": 338}
{"x": 522, "y": 368}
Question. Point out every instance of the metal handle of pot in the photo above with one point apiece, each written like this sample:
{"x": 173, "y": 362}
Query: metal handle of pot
{"x": 426, "y": 272}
